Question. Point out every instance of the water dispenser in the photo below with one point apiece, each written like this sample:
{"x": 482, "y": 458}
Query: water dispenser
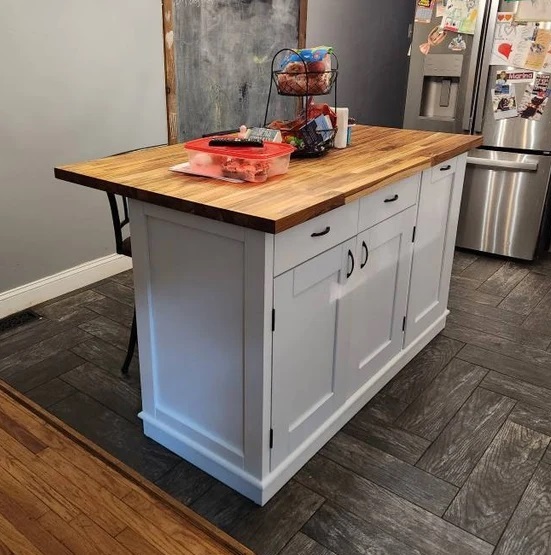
{"x": 441, "y": 77}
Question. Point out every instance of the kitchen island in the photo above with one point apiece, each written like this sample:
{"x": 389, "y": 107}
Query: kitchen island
{"x": 269, "y": 314}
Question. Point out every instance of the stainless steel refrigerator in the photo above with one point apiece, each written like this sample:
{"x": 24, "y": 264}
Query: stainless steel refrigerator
{"x": 504, "y": 202}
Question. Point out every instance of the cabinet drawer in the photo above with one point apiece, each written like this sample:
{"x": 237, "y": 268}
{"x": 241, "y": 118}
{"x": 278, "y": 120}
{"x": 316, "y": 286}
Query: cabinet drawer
{"x": 443, "y": 170}
{"x": 388, "y": 201}
{"x": 300, "y": 243}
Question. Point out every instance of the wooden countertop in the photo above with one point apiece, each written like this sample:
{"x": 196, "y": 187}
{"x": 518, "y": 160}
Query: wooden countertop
{"x": 378, "y": 156}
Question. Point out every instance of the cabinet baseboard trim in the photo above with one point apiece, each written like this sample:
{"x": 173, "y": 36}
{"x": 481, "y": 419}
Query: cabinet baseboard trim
{"x": 231, "y": 475}
{"x": 47, "y": 288}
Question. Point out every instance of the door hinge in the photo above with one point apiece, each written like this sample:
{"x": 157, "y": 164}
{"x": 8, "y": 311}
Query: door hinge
{"x": 273, "y": 319}
{"x": 271, "y": 438}
{"x": 414, "y": 233}
{"x": 404, "y": 324}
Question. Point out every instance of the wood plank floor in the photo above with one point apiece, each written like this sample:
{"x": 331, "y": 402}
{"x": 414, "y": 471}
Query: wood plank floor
{"x": 62, "y": 495}
{"x": 451, "y": 457}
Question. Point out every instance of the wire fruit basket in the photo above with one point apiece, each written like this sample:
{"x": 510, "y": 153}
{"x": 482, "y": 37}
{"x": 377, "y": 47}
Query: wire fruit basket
{"x": 301, "y": 79}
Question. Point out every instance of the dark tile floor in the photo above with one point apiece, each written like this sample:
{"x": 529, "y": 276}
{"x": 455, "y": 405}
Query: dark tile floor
{"x": 451, "y": 457}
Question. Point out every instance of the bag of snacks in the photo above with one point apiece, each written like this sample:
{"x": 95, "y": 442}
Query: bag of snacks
{"x": 306, "y": 71}
{"x": 291, "y": 131}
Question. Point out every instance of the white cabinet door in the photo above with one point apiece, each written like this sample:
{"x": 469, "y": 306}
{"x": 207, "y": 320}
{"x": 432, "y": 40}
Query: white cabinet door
{"x": 309, "y": 347}
{"x": 439, "y": 203}
{"x": 379, "y": 296}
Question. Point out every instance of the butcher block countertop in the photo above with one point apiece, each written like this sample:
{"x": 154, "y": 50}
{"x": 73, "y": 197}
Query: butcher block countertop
{"x": 378, "y": 156}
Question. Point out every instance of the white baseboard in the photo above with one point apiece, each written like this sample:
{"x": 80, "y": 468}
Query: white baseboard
{"x": 50, "y": 287}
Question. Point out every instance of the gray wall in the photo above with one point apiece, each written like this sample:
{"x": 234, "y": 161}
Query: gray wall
{"x": 80, "y": 79}
{"x": 371, "y": 40}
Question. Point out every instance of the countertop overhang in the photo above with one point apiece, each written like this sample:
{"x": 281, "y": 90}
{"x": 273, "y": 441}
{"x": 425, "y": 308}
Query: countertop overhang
{"x": 378, "y": 156}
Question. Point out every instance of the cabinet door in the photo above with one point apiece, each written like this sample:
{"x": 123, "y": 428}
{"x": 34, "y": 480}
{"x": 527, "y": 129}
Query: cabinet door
{"x": 379, "y": 297}
{"x": 309, "y": 347}
{"x": 433, "y": 249}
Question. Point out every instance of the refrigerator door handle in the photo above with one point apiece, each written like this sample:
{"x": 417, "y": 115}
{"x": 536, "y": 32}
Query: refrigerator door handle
{"x": 485, "y": 69}
{"x": 503, "y": 164}
{"x": 473, "y": 66}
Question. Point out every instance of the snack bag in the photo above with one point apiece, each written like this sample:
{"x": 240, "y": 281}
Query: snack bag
{"x": 306, "y": 71}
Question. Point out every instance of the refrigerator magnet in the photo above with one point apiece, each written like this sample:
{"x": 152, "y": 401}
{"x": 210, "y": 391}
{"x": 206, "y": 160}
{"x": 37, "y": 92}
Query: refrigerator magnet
{"x": 458, "y": 44}
{"x": 514, "y": 77}
{"x": 436, "y": 37}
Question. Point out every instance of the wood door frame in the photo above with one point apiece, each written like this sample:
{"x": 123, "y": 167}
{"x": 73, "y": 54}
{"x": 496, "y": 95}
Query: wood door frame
{"x": 170, "y": 62}
{"x": 170, "y": 71}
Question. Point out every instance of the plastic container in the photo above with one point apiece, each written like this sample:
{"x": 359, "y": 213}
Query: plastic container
{"x": 255, "y": 165}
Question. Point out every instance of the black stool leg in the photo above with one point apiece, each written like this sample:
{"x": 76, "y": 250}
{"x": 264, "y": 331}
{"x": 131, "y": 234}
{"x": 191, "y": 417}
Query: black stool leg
{"x": 131, "y": 345}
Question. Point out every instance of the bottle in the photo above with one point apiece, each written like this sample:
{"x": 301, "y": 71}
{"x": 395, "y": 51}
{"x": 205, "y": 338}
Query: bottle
{"x": 342, "y": 128}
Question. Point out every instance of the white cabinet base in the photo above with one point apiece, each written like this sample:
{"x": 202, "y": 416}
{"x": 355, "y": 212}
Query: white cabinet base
{"x": 261, "y": 491}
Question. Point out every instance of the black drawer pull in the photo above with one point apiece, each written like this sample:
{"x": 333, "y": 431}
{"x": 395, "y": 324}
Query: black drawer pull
{"x": 393, "y": 199}
{"x": 445, "y": 168}
{"x": 351, "y": 257}
{"x": 366, "y": 251}
{"x": 322, "y": 233}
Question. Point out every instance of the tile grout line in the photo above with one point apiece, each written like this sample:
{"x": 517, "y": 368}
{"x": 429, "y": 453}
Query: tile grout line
{"x": 455, "y": 414}
{"x": 385, "y": 531}
{"x": 393, "y": 421}
{"x": 94, "y": 398}
{"x": 523, "y": 492}
{"x": 383, "y": 487}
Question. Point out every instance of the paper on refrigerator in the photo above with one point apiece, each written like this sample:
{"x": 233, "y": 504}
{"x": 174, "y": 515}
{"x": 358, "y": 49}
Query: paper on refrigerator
{"x": 511, "y": 41}
{"x": 460, "y": 16}
{"x": 547, "y": 62}
{"x": 505, "y": 105}
{"x": 424, "y": 10}
{"x": 503, "y": 94}
{"x": 531, "y": 54}
{"x": 536, "y": 97}
{"x": 538, "y": 50}
{"x": 534, "y": 10}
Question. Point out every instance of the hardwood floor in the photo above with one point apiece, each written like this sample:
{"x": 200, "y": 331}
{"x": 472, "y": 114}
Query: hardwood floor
{"x": 451, "y": 457}
{"x": 61, "y": 495}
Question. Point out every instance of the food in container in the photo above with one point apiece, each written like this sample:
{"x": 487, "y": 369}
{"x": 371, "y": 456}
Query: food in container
{"x": 306, "y": 71}
{"x": 251, "y": 164}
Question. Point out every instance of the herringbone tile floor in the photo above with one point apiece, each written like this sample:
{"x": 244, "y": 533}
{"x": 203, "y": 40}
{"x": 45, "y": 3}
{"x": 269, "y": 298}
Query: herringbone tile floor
{"x": 451, "y": 457}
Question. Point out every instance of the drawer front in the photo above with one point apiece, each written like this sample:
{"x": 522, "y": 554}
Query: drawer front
{"x": 300, "y": 243}
{"x": 388, "y": 201}
{"x": 443, "y": 170}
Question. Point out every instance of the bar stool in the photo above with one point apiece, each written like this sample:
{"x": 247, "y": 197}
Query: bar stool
{"x": 124, "y": 247}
